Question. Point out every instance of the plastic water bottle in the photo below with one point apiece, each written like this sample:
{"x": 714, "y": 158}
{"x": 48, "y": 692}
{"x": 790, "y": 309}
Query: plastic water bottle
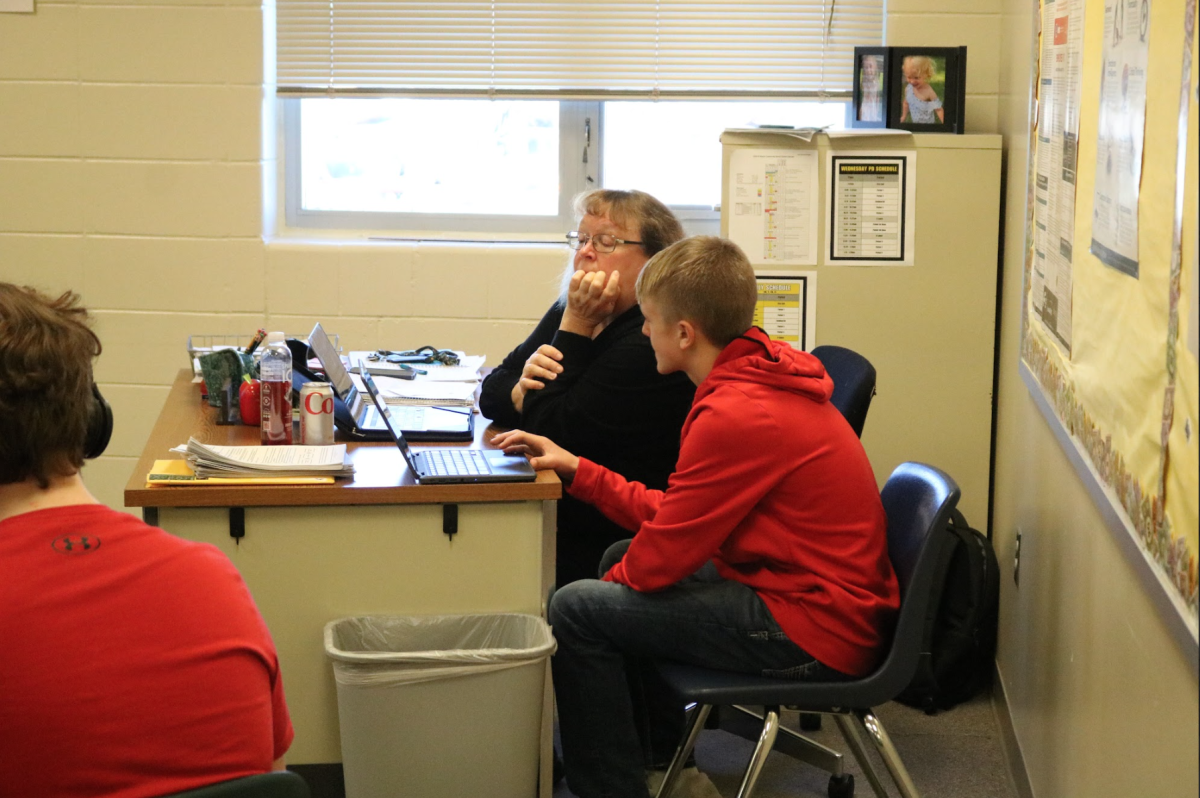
{"x": 275, "y": 371}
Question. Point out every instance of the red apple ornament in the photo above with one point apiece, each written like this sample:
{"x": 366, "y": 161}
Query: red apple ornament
{"x": 249, "y": 401}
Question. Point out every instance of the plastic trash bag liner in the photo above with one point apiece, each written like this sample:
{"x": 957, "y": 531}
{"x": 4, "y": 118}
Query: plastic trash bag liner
{"x": 390, "y": 650}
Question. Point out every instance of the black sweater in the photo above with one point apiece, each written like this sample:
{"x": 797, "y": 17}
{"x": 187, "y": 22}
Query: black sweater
{"x": 609, "y": 405}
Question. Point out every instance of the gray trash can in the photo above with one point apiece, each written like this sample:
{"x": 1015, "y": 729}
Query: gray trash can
{"x": 440, "y": 705}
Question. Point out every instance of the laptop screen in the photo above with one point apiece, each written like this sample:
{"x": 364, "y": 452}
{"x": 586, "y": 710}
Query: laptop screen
{"x": 331, "y": 363}
{"x": 392, "y": 425}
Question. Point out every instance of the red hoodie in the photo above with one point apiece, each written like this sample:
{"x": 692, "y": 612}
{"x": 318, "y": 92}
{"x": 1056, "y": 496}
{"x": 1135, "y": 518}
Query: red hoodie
{"x": 772, "y": 485}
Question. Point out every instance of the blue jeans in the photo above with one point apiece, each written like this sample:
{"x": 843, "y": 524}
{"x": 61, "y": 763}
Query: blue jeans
{"x": 606, "y": 632}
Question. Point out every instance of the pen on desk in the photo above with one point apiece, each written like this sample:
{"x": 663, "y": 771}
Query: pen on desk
{"x": 406, "y": 367}
{"x": 258, "y": 339}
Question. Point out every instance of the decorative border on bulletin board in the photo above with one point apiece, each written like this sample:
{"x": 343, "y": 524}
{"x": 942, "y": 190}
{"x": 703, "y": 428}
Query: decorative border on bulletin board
{"x": 1178, "y": 614}
{"x": 1142, "y": 505}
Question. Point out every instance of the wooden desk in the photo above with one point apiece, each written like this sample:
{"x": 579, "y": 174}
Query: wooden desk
{"x": 374, "y": 545}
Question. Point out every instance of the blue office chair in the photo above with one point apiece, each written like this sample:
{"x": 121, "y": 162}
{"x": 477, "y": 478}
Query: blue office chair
{"x": 853, "y": 382}
{"x": 277, "y": 784}
{"x": 919, "y": 500}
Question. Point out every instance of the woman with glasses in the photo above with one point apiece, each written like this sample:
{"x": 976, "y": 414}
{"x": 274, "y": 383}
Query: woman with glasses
{"x": 586, "y": 376}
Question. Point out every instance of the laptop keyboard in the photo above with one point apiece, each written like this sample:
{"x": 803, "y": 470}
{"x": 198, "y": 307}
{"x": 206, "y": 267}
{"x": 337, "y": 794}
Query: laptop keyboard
{"x": 447, "y": 462}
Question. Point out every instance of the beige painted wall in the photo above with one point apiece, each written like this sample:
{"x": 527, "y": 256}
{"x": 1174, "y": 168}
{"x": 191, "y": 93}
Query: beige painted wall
{"x": 1103, "y": 702}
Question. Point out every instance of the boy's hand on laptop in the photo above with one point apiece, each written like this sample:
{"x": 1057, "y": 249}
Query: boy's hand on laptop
{"x": 541, "y": 365}
{"x": 591, "y": 299}
{"x": 542, "y": 452}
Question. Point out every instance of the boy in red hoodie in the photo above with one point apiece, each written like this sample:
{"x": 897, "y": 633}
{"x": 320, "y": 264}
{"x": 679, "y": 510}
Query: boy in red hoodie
{"x": 766, "y": 554}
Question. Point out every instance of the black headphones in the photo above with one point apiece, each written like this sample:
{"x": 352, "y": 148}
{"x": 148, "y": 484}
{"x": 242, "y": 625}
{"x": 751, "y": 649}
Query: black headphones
{"x": 422, "y": 354}
{"x": 100, "y": 426}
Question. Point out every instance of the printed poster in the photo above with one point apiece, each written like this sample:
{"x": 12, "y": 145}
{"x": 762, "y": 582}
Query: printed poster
{"x": 787, "y": 307}
{"x": 871, "y": 219}
{"x": 773, "y": 205}
{"x": 1120, "y": 133}
{"x": 1056, "y": 168}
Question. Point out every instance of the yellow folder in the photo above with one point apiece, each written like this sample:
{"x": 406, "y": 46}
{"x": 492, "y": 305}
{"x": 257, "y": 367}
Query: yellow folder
{"x": 177, "y": 473}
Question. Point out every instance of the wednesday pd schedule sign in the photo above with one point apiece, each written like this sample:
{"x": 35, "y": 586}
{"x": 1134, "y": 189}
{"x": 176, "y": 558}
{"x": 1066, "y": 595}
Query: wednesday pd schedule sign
{"x": 871, "y": 218}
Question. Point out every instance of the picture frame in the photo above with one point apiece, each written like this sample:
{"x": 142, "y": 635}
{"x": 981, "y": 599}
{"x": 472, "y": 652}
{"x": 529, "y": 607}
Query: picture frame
{"x": 871, "y": 70}
{"x": 935, "y": 102}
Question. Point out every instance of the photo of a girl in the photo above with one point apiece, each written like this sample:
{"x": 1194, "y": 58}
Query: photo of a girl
{"x": 870, "y": 107}
{"x": 923, "y": 87}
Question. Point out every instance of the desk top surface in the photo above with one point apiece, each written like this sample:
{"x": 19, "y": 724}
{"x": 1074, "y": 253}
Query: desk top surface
{"x": 381, "y": 475}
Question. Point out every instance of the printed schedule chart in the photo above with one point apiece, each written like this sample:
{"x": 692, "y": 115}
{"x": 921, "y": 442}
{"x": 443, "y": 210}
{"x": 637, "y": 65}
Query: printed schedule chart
{"x": 869, "y": 210}
{"x": 786, "y": 307}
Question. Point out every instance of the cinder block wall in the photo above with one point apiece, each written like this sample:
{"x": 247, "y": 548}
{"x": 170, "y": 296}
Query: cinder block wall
{"x": 137, "y": 167}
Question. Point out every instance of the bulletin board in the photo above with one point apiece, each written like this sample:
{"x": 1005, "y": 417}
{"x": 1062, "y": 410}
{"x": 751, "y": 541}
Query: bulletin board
{"x": 1108, "y": 323}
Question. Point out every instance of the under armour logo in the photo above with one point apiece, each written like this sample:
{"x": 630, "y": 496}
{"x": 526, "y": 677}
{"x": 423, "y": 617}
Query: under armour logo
{"x": 70, "y": 544}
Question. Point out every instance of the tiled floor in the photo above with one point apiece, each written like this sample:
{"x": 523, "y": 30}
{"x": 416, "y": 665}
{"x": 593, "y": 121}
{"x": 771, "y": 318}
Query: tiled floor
{"x": 955, "y": 754}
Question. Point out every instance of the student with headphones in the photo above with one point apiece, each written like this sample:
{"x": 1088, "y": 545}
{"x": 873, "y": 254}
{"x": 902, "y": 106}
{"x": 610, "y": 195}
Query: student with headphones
{"x": 135, "y": 663}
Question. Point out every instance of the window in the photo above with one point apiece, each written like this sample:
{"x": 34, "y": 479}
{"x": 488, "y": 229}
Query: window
{"x": 490, "y": 117}
{"x": 673, "y": 150}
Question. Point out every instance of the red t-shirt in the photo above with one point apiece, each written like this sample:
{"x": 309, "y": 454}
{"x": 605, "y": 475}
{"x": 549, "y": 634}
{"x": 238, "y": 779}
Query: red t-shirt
{"x": 134, "y": 663}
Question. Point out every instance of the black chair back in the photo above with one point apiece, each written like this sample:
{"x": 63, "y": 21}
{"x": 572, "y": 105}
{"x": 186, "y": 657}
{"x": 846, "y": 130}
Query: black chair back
{"x": 277, "y": 784}
{"x": 853, "y": 382}
{"x": 919, "y": 500}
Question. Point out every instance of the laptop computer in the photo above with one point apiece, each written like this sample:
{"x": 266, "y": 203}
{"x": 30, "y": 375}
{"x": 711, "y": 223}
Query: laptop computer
{"x": 450, "y": 465}
{"x": 359, "y": 419}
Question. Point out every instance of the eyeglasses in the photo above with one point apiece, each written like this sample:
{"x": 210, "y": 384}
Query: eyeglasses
{"x": 602, "y": 242}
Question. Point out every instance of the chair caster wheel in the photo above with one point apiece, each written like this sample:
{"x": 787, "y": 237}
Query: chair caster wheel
{"x": 841, "y": 786}
{"x": 810, "y": 721}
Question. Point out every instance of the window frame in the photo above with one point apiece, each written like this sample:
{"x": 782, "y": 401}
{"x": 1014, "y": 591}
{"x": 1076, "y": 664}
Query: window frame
{"x": 571, "y": 169}
{"x": 575, "y": 177}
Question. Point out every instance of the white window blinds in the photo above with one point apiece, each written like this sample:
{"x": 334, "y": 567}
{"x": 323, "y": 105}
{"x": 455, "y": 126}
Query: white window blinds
{"x": 798, "y": 48}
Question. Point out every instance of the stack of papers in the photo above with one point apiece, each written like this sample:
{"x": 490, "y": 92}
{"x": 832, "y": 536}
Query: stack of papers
{"x": 423, "y": 392}
{"x": 244, "y": 462}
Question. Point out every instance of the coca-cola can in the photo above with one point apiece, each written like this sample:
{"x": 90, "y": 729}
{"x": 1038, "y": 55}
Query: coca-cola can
{"x": 316, "y": 414}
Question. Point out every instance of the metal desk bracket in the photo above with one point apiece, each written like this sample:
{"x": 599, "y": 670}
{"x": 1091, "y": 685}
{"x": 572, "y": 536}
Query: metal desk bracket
{"x": 237, "y": 524}
{"x": 450, "y": 520}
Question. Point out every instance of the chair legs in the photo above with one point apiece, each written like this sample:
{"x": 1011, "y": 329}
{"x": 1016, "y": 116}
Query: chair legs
{"x": 747, "y": 724}
{"x": 766, "y": 741}
{"x": 883, "y": 743}
{"x": 768, "y": 734}
{"x": 854, "y": 741}
{"x": 695, "y": 725}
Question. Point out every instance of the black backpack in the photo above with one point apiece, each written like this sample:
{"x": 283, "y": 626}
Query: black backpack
{"x": 959, "y": 652}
